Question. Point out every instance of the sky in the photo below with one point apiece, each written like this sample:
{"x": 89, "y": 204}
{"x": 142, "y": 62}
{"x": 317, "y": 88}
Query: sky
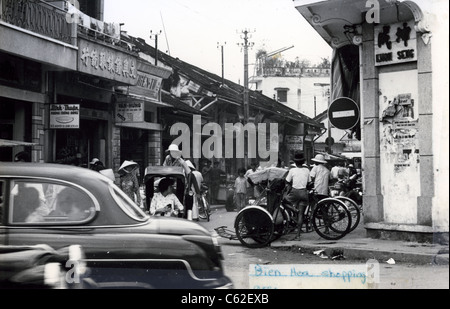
{"x": 194, "y": 30}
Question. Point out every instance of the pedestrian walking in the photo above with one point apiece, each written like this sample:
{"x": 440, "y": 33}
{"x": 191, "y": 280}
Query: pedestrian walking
{"x": 342, "y": 173}
{"x": 129, "y": 182}
{"x": 97, "y": 165}
{"x": 252, "y": 190}
{"x": 351, "y": 170}
{"x": 205, "y": 171}
{"x": 297, "y": 180}
{"x": 335, "y": 170}
{"x": 320, "y": 176}
{"x": 195, "y": 180}
{"x": 240, "y": 189}
{"x": 215, "y": 180}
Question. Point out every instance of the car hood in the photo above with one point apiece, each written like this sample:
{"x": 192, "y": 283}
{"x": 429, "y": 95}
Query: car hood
{"x": 175, "y": 226}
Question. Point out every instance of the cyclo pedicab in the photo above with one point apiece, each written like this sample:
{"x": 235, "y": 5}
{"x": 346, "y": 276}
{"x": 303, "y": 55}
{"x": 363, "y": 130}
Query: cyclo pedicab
{"x": 154, "y": 173}
{"x": 271, "y": 216}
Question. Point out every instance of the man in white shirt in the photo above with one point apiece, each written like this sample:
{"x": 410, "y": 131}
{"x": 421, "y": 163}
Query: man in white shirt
{"x": 298, "y": 178}
{"x": 320, "y": 175}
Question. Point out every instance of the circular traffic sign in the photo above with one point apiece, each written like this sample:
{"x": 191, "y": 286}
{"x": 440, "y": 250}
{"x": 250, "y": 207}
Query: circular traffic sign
{"x": 343, "y": 113}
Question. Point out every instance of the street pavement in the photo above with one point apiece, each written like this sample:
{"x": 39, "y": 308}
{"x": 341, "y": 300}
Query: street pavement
{"x": 355, "y": 245}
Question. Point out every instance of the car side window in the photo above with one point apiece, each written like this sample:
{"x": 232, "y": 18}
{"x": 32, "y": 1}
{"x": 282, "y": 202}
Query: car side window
{"x": 34, "y": 202}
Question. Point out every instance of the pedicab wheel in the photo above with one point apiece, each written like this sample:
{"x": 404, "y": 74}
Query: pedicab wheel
{"x": 254, "y": 227}
{"x": 354, "y": 210}
{"x": 280, "y": 223}
{"x": 203, "y": 209}
{"x": 331, "y": 219}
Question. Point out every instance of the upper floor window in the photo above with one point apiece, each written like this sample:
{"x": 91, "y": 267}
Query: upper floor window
{"x": 282, "y": 94}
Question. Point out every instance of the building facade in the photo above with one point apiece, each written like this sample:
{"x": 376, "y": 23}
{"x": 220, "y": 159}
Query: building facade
{"x": 306, "y": 90}
{"x": 73, "y": 89}
{"x": 401, "y": 87}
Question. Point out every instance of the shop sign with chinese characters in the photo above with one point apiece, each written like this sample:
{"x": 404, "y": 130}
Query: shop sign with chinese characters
{"x": 64, "y": 116}
{"x": 129, "y": 110}
{"x": 395, "y": 43}
{"x": 101, "y": 61}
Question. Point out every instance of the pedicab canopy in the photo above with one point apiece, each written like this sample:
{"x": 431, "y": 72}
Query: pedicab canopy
{"x": 153, "y": 173}
{"x": 267, "y": 174}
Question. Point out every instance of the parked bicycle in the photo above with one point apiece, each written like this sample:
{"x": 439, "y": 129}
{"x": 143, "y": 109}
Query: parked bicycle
{"x": 348, "y": 190}
{"x": 349, "y": 187}
{"x": 204, "y": 209}
{"x": 271, "y": 217}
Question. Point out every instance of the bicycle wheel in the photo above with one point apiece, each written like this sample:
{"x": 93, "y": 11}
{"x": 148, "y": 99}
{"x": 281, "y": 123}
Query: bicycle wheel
{"x": 331, "y": 219}
{"x": 203, "y": 209}
{"x": 254, "y": 227}
{"x": 281, "y": 221}
{"x": 354, "y": 210}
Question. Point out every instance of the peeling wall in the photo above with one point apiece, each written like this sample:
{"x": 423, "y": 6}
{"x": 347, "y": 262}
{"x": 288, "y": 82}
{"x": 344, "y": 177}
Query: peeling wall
{"x": 399, "y": 145}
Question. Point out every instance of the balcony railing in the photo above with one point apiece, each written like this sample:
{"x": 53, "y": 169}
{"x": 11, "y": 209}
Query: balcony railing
{"x": 292, "y": 72}
{"x": 46, "y": 19}
{"x": 39, "y": 17}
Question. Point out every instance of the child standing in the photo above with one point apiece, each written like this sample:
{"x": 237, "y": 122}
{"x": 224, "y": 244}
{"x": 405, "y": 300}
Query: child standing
{"x": 240, "y": 189}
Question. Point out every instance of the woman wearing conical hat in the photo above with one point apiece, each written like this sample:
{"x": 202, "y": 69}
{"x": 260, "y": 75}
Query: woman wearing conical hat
{"x": 129, "y": 182}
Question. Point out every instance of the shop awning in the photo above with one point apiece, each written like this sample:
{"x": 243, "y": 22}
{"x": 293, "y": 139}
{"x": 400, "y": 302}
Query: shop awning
{"x": 141, "y": 125}
{"x": 137, "y": 98}
{"x": 332, "y": 157}
{"x": 351, "y": 155}
{"x": 11, "y": 143}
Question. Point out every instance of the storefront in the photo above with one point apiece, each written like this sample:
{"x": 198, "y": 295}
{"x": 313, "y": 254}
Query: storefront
{"x": 136, "y": 114}
{"x": 78, "y": 130}
{"x": 401, "y": 89}
{"x": 20, "y": 96}
{"x": 80, "y": 124}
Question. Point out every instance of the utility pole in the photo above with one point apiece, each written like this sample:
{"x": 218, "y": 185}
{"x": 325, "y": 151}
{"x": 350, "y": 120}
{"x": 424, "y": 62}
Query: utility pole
{"x": 223, "y": 64}
{"x": 156, "y": 44}
{"x": 246, "y": 35}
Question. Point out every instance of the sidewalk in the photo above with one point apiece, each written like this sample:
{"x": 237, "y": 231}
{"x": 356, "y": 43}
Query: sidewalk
{"x": 353, "y": 246}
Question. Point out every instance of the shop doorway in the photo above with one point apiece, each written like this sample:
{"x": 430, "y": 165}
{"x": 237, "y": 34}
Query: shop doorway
{"x": 79, "y": 146}
{"x": 133, "y": 147}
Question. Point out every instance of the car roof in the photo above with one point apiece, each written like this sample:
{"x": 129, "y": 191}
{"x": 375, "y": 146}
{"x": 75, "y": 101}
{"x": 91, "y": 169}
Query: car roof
{"x": 50, "y": 170}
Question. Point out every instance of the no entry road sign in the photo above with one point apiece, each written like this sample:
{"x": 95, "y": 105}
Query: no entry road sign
{"x": 343, "y": 113}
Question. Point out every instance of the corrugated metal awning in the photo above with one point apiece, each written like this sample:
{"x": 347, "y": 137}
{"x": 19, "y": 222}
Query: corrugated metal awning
{"x": 11, "y": 143}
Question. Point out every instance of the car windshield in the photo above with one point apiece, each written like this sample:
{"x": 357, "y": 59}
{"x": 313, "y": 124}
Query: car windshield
{"x": 127, "y": 205}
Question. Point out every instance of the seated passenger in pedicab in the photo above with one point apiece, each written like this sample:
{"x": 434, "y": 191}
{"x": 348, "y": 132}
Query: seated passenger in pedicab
{"x": 165, "y": 202}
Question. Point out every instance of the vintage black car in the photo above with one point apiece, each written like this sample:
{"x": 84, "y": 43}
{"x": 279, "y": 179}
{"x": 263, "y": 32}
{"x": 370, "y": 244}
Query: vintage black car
{"x": 61, "y": 205}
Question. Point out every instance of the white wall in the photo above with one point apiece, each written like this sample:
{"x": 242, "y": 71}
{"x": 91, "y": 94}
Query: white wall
{"x": 301, "y": 101}
{"x": 440, "y": 64}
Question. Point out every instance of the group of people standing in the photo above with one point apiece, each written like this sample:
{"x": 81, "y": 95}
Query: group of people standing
{"x": 298, "y": 180}
{"x": 319, "y": 177}
{"x": 165, "y": 202}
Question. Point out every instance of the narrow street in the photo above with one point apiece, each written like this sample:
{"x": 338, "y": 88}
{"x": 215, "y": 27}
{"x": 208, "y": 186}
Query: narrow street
{"x": 238, "y": 258}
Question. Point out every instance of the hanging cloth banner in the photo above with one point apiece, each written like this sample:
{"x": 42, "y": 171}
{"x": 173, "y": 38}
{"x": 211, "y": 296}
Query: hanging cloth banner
{"x": 345, "y": 77}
